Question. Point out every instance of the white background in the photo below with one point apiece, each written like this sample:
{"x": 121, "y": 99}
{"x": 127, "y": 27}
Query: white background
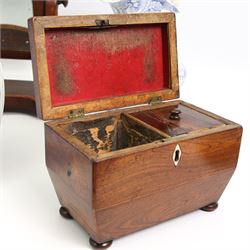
{"x": 213, "y": 42}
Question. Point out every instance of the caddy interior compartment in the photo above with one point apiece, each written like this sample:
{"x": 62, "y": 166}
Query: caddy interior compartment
{"x": 177, "y": 119}
{"x": 112, "y": 133}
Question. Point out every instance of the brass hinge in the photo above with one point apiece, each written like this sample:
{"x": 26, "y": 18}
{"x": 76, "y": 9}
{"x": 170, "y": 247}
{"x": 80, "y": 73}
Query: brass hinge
{"x": 155, "y": 100}
{"x": 77, "y": 113}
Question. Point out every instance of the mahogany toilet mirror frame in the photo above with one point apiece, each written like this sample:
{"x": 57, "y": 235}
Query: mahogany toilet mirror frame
{"x": 19, "y": 94}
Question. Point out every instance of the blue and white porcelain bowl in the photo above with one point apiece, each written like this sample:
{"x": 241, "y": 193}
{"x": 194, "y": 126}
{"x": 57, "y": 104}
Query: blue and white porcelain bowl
{"x": 1, "y": 92}
{"x": 140, "y": 6}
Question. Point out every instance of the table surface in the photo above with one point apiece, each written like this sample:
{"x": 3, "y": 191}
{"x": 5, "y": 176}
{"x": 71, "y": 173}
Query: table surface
{"x": 214, "y": 47}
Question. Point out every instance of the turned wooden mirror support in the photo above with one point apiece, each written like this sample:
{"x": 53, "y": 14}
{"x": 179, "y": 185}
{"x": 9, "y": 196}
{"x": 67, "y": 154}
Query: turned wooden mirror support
{"x": 19, "y": 94}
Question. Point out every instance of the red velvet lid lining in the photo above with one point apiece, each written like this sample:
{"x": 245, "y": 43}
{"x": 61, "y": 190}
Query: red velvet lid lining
{"x": 90, "y": 64}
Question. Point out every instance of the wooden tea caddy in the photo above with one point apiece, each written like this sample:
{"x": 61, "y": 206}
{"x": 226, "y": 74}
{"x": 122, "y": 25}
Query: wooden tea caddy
{"x": 121, "y": 156}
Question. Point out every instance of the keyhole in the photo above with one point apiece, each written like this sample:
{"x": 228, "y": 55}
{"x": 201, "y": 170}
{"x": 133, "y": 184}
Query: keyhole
{"x": 177, "y": 155}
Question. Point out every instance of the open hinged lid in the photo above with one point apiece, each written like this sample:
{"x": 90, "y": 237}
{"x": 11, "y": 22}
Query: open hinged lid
{"x": 102, "y": 62}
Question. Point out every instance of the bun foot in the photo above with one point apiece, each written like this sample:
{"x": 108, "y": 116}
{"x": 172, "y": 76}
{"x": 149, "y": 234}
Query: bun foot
{"x": 210, "y": 208}
{"x": 97, "y": 245}
{"x": 64, "y": 212}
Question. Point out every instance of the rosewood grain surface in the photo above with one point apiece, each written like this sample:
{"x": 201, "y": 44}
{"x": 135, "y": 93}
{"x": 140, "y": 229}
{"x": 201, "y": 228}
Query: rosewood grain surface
{"x": 71, "y": 174}
{"x": 19, "y": 97}
{"x": 135, "y": 175}
{"x": 14, "y": 42}
{"x": 61, "y": 127}
{"x": 114, "y": 197}
{"x": 129, "y": 217}
{"x": 190, "y": 120}
{"x": 47, "y": 7}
